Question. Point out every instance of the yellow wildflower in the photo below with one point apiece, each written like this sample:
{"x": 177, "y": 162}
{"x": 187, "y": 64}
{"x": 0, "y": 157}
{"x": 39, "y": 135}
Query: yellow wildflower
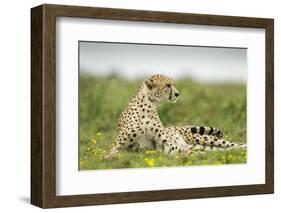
{"x": 149, "y": 161}
{"x": 99, "y": 134}
{"x": 93, "y": 141}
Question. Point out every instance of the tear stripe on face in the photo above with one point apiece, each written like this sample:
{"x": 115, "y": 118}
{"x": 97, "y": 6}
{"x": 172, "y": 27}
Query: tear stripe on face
{"x": 170, "y": 96}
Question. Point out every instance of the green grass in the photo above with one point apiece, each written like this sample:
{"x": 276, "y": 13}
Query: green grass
{"x": 103, "y": 99}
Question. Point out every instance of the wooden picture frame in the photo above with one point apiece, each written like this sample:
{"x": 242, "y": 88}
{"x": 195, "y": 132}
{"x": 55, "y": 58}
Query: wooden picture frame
{"x": 43, "y": 105}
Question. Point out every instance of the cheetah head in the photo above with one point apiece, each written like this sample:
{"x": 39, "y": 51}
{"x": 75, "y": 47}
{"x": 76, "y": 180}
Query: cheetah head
{"x": 161, "y": 89}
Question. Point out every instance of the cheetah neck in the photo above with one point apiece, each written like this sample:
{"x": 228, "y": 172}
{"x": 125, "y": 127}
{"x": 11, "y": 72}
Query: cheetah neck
{"x": 144, "y": 96}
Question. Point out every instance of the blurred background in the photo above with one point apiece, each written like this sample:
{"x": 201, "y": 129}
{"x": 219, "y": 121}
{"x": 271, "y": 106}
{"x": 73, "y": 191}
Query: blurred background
{"x": 212, "y": 85}
{"x": 132, "y": 61}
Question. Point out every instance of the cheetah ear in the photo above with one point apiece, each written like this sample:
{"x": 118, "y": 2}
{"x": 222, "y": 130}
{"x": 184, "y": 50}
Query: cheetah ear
{"x": 149, "y": 83}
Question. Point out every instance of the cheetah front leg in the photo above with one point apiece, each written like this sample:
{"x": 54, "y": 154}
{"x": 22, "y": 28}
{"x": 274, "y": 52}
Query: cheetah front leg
{"x": 122, "y": 142}
{"x": 113, "y": 153}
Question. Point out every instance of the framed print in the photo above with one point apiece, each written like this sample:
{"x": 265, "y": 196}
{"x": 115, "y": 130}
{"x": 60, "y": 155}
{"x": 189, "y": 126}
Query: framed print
{"x": 137, "y": 106}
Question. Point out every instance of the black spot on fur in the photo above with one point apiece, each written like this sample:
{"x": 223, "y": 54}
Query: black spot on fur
{"x": 201, "y": 130}
{"x": 219, "y": 133}
{"x": 211, "y": 130}
{"x": 193, "y": 130}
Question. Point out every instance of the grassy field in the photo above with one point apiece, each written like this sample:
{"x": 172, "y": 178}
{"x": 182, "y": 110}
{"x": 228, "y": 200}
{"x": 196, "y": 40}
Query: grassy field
{"x": 102, "y": 100}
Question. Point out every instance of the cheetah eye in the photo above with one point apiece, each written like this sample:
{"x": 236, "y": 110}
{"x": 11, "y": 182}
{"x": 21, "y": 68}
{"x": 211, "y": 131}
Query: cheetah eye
{"x": 168, "y": 85}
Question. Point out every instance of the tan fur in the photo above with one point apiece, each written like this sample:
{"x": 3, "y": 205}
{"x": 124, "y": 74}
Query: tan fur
{"x": 140, "y": 128}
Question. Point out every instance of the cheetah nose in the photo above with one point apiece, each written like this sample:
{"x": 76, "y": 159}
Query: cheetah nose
{"x": 177, "y": 94}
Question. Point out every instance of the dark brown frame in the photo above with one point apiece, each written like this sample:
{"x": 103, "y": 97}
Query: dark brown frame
{"x": 43, "y": 105}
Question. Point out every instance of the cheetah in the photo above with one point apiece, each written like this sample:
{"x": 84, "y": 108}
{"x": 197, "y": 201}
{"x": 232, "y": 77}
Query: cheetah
{"x": 140, "y": 127}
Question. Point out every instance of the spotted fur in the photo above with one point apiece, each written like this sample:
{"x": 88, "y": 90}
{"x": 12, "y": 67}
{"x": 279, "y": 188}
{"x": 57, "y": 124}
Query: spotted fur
{"x": 140, "y": 128}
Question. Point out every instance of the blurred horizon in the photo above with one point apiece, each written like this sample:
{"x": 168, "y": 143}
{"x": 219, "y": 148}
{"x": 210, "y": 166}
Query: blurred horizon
{"x": 140, "y": 79}
{"x": 138, "y": 61}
